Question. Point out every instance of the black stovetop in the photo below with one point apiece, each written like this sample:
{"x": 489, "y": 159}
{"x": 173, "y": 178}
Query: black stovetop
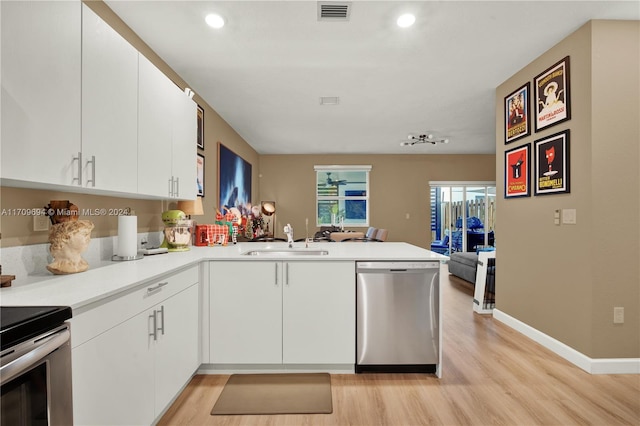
{"x": 20, "y": 323}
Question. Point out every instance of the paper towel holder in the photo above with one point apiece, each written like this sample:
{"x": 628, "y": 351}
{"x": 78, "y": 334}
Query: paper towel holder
{"x": 127, "y": 212}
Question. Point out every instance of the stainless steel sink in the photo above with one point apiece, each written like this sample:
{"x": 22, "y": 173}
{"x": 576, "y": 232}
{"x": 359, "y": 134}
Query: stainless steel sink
{"x": 286, "y": 253}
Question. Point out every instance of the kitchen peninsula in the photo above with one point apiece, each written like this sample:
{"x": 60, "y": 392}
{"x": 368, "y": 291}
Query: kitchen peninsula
{"x": 152, "y": 323}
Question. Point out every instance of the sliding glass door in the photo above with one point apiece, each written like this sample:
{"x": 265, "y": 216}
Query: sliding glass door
{"x": 462, "y": 216}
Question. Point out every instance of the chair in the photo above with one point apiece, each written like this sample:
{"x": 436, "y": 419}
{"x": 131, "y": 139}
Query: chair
{"x": 381, "y": 234}
{"x": 441, "y": 246}
{"x": 370, "y": 237}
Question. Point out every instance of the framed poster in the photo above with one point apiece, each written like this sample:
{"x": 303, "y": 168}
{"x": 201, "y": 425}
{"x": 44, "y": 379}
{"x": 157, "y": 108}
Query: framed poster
{"x": 200, "y": 175}
{"x": 517, "y": 164}
{"x": 200, "y": 127}
{"x": 553, "y": 103}
{"x": 552, "y": 164}
{"x": 234, "y": 181}
{"x": 516, "y": 114}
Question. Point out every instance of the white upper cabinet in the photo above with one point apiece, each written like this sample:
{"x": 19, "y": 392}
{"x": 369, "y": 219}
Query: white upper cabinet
{"x": 154, "y": 130}
{"x": 41, "y": 87}
{"x": 167, "y": 129}
{"x": 183, "y": 146}
{"x": 83, "y": 111}
{"x": 109, "y": 107}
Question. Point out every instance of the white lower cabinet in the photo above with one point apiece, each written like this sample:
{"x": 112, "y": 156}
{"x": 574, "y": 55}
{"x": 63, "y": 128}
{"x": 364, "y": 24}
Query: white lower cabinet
{"x": 265, "y": 312}
{"x": 177, "y": 348}
{"x": 129, "y": 373}
{"x": 113, "y": 376}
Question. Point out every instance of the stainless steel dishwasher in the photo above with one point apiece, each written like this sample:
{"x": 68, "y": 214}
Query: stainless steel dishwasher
{"x": 397, "y": 314}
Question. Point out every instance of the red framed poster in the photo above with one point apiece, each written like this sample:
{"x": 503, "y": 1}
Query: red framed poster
{"x": 517, "y": 164}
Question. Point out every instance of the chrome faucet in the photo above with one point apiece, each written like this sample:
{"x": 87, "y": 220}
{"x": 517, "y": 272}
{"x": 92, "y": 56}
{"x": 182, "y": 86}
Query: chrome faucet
{"x": 289, "y": 231}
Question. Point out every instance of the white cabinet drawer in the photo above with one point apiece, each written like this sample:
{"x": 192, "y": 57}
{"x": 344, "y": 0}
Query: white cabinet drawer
{"x": 106, "y": 315}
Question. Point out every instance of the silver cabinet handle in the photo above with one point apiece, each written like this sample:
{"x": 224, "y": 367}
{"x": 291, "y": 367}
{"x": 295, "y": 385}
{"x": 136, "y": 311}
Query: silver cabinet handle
{"x": 161, "y": 311}
{"x": 155, "y": 326}
{"x": 171, "y": 187}
{"x": 157, "y": 287}
{"x": 79, "y": 160}
{"x": 276, "y": 265}
{"x": 286, "y": 278}
{"x": 177, "y": 193}
{"x": 93, "y": 171}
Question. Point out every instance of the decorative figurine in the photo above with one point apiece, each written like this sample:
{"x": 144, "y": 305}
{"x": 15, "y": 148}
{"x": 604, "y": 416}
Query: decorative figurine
{"x": 68, "y": 241}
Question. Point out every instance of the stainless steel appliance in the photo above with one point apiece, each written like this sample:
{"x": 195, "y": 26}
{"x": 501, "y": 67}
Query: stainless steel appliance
{"x": 35, "y": 366}
{"x": 397, "y": 316}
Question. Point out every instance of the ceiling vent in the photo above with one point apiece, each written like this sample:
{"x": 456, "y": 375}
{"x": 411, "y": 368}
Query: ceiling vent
{"x": 333, "y": 11}
{"x": 329, "y": 100}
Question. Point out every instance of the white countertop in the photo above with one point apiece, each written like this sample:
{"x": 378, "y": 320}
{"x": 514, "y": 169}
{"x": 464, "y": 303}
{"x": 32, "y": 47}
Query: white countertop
{"x": 110, "y": 278}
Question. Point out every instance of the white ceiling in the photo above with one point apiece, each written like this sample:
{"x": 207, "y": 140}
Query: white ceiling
{"x": 266, "y": 69}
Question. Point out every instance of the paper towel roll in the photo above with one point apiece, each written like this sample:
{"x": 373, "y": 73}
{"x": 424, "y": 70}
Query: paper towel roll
{"x": 127, "y": 236}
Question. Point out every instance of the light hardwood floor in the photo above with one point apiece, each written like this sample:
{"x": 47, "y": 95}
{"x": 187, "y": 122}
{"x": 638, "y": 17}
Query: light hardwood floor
{"x": 492, "y": 375}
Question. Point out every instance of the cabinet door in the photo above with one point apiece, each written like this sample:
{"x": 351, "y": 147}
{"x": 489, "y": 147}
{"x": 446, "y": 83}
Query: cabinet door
{"x": 246, "y": 312}
{"x": 40, "y": 91}
{"x": 154, "y": 130}
{"x": 113, "y": 376}
{"x": 184, "y": 144}
{"x": 177, "y": 349}
{"x": 319, "y": 313}
{"x": 109, "y": 107}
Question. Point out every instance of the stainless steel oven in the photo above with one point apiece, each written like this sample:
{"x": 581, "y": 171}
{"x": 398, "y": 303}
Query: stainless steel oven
{"x": 35, "y": 366}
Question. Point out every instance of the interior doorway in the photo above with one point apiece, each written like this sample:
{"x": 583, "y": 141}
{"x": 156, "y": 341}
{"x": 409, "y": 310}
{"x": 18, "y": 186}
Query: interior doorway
{"x": 463, "y": 216}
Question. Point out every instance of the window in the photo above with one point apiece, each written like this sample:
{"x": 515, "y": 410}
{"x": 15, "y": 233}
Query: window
{"x": 342, "y": 195}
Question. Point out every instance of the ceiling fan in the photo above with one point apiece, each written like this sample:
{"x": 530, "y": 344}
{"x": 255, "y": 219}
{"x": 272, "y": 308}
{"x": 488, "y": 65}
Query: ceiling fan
{"x": 426, "y": 138}
{"x": 336, "y": 182}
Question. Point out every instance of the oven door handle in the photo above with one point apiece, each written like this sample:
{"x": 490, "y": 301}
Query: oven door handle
{"x": 31, "y": 358}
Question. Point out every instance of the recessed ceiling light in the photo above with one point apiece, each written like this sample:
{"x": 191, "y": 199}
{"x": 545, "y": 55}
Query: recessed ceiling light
{"x": 406, "y": 20}
{"x": 214, "y": 20}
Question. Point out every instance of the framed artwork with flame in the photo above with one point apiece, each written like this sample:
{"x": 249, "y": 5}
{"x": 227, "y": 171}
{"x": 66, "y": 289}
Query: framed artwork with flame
{"x": 552, "y": 164}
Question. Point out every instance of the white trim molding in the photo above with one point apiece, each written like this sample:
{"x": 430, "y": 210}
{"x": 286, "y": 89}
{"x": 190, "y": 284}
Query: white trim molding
{"x": 590, "y": 365}
{"x": 365, "y": 168}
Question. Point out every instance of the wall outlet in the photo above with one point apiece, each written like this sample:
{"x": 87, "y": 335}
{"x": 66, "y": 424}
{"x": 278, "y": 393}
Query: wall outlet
{"x": 618, "y": 315}
{"x": 41, "y": 223}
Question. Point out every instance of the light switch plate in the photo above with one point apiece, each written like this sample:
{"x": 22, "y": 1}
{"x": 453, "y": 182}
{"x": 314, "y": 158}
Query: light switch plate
{"x": 569, "y": 216}
{"x": 41, "y": 223}
{"x": 618, "y": 315}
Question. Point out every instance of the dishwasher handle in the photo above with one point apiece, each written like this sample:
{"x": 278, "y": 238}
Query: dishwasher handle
{"x": 396, "y": 266}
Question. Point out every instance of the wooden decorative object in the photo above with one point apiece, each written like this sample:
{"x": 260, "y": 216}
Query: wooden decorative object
{"x": 5, "y": 280}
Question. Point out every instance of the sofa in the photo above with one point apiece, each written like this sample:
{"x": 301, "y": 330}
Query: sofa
{"x": 463, "y": 265}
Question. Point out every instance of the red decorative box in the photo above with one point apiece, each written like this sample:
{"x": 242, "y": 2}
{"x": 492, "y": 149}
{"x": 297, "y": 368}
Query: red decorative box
{"x": 209, "y": 235}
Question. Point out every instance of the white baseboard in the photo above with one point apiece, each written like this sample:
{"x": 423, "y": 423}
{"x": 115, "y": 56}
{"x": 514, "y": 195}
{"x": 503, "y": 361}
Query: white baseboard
{"x": 590, "y": 365}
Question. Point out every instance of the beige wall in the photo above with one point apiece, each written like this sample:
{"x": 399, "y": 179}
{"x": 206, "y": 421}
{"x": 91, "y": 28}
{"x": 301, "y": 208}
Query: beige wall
{"x": 399, "y": 184}
{"x": 565, "y": 280}
{"x": 18, "y": 230}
